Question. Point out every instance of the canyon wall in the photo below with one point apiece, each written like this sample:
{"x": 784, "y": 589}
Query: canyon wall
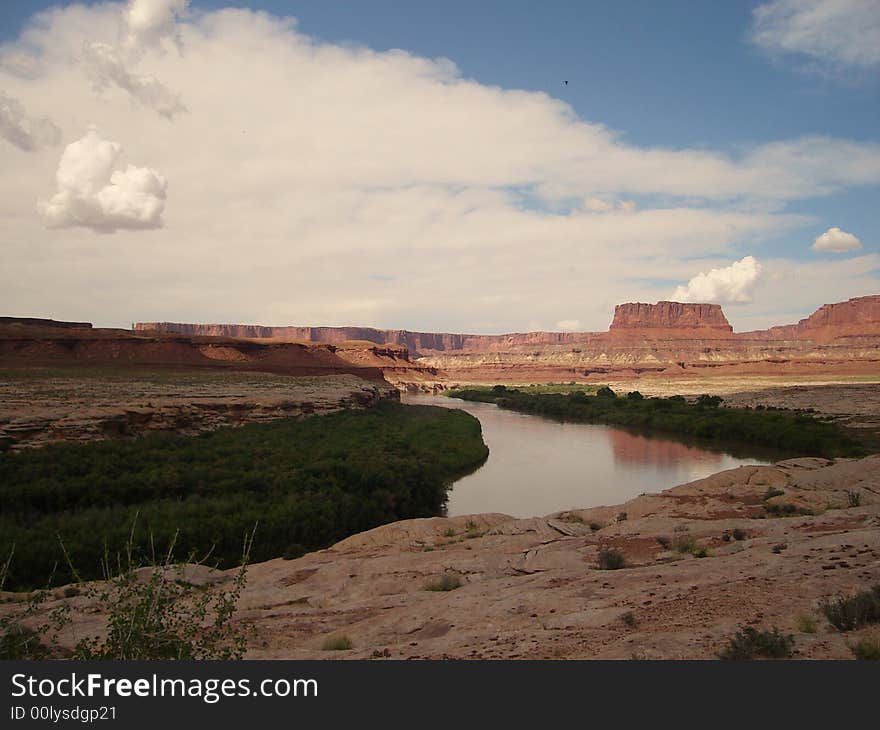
{"x": 667, "y": 339}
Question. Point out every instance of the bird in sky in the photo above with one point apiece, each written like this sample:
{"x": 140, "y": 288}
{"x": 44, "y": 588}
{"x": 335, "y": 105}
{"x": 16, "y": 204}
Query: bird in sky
{"x": 565, "y": 83}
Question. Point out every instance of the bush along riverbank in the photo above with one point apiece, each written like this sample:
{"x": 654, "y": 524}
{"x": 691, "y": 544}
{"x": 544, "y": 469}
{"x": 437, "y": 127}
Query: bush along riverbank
{"x": 789, "y": 433}
{"x": 305, "y": 483}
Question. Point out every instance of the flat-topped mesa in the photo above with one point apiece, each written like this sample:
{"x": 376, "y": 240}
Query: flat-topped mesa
{"x": 858, "y": 316}
{"x": 40, "y": 322}
{"x": 674, "y": 319}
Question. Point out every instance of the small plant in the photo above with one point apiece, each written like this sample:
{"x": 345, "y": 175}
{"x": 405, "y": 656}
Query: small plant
{"x": 629, "y": 618}
{"x": 772, "y": 492}
{"x": 596, "y": 526}
{"x": 446, "y": 582}
{"x": 684, "y": 544}
{"x": 739, "y": 534}
{"x": 337, "y": 643}
{"x": 664, "y": 542}
{"x": 681, "y": 528}
{"x": 853, "y": 498}
{"x": 471, "y": 526}
{"x": 449, "y": 532}
{"x": 847, "y": 613}
{"x": 866, "y": 649}
{"x": 779, "y": 547}
{"x": 749, "y": 643}
{"x": 786, "y": 509}
{"x": 610, "y": 559}
{"x": 71, "y": 592}
{"x": 571, "y": 517}
{"x": 700, "y": 552}
{"x": 806, "y": 623}
{"x": 621, "y": 516}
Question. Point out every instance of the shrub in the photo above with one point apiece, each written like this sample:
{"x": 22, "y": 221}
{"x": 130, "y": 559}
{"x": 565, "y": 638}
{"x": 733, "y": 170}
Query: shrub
{"x": 629, "y": 618}
{"x": 446, "y": 582}
{"x": 684, "y": 544}
{"x": 336, "y": 643}
{"x": 786, "y": 509}
{"x": 806, "y": 623}
{"x": 772, "y": 492}
{"x": 847, "y": 613}
{"x": 739, "y": 534}
{"x": 610, "y": 559}
{"x": 853, "y": 498}
{"x": 779, "y": 547}
{"x": 709, "y": 401}
{"x": 749, "y": 643}
{"x": 635, "y": 395}
{"x": 664, "y": 542}
{"x": 606, "y": 392}
{"x": 866, "y": 649}
{"x": 596, "y": 526}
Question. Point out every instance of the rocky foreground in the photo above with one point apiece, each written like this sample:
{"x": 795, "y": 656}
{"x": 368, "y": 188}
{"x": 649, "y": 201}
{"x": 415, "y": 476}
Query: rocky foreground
{"x": 532, "y": 589}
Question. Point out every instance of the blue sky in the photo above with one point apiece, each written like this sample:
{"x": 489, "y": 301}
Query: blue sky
{"x": 658, "y": 75}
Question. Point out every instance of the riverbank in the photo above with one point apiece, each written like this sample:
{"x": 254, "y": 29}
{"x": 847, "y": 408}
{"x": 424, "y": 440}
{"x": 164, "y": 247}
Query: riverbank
{"x": 701, "y": 561}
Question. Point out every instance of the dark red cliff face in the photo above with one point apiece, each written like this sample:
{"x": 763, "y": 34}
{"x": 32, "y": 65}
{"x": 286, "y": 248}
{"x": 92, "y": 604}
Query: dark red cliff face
{"x": 669, "y": 316}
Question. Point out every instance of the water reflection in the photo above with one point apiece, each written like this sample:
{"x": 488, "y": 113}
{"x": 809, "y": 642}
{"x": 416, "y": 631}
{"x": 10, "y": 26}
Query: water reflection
{"x": 537, "y": 466}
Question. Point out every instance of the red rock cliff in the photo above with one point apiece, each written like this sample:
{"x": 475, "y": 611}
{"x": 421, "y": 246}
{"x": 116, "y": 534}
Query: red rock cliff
{"x": 693, "y": 319}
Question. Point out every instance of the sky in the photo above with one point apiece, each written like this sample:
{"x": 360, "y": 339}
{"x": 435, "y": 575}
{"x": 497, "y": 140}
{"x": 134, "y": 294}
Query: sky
{"x": 425, "y": 165}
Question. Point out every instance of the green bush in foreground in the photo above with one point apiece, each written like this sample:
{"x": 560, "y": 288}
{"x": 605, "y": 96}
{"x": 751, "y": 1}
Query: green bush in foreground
{"x": 446, "y": 582}
{"x": 337, "y": 643}
{"x": 152, "y": 613}
{"x": 749, "y": 643}
{"x": 866, "y": 649}
{"x": 848, "y": 613}
{"x": 610, "y": 559}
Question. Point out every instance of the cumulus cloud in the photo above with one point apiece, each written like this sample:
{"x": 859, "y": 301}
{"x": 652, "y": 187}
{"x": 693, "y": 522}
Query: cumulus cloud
{"x": 92, "y": 194}
{"x": 730, "y": 285}
{"x": 149, "y": 22}
{"x": 146, "y": 25}
{"x": 840, "y": 32}
{"x": 107, "y": 68}
{"x": 837, "y": 241}
{"x": 25, "y": 132}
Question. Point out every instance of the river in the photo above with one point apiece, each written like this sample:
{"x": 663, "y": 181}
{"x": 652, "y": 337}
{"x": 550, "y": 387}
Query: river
{"x": 537, "y": 466}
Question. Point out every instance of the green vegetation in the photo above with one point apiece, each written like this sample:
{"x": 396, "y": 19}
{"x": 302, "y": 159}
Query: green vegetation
{"x": 307, "y": 483}
{"x": 749, "y": 643}
{"x": 337, "y": 643}
{"x": 610, "y": 559}
{"x": 866, "y": 649}
{"x": 446, "y": 582}
{"x": 786, "y": 432}
{"x": 806, "y": 623}
{"x": 152, "y": 612}
{"x": 629, "y": 619}
{"x": 853, "y": 612}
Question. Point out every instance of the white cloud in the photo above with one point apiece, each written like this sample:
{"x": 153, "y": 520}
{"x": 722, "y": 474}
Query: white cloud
{"x": 149, "y": 22}
{"x": 837, "y": 241}
{"x": 331, "y": 184}
{"x": 730, "y": 285}
{"x": 840, "y": 32}
{"x": 569, "y": 325}
{"x": 25, "y": 132}
{"x": 145, "y": 26}
{"x": 106, "y": 68}
{"x": 92, "y": 194}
